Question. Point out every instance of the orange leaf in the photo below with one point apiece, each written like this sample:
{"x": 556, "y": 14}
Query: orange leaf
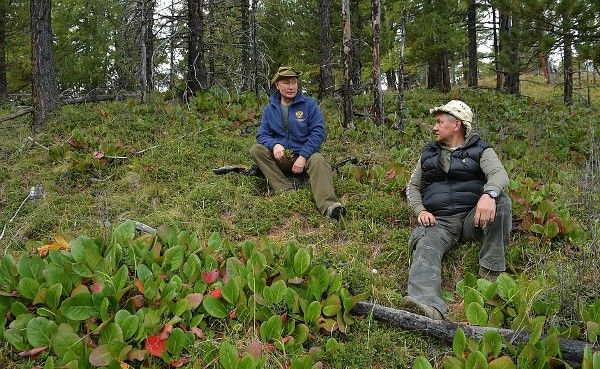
{"x": 58, "y": 244}
{"x": 124, "y": 365}
{"x": 390, "y": 174}
{"x": 215, "y": 293}
{"x": 179, "y": 363}
{"x": 98, "y": 155}
{"x": 233, "y": 313}
{"x": 198, "y": 332}
{"x": 139, "y": 285}
{"x": 210, "y": 277}
{"x": 33, "y": 352}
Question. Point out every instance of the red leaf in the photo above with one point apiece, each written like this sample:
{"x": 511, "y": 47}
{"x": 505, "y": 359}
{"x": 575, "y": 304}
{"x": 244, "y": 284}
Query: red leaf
{"x": 96, "y": 287}
{"x": 215, "y": 293}
{"x": 33, "y": 352}
{"x": 72, "y": 142}
{"x": 210, "y": 277}
{"x": 390, "y": 174}
{"x": 198, "y": 332}
{"x": 164, "y": 334}
{"x": 179, "y": 363}
{"x": 254, "y": 348}
{"x": 233, "y": 313}
{"x": 155, "y": 346}
{"x": 139, "y": 285}
{"x": 194, "y": 300}
{"x": 137, "y": 301}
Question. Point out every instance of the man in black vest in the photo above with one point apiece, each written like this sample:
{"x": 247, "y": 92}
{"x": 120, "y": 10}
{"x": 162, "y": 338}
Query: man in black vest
{"x": 458, "y": 192}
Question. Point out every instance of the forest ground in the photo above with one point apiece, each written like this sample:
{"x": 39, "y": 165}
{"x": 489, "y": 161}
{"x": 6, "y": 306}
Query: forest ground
{"x": 167, "y": 178}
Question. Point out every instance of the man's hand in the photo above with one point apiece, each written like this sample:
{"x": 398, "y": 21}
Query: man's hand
{"x": 278, "y": 150}
{"x": 485, "y": 211}
{"x": 426, "y": 219}
{"x": 298, "y": 166}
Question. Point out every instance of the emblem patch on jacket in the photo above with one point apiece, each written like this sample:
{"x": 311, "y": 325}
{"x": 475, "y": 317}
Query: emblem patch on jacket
{"x": 299, "y": 114}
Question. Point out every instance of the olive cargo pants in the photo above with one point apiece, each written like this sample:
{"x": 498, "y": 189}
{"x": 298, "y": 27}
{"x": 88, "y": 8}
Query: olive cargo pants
{"x": 429, "y": 244}
{"x": 317, "y": 168}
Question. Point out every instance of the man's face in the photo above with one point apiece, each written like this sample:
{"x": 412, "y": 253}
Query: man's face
{"x": 288, "y": 87}
{"x": 445, "y": 127}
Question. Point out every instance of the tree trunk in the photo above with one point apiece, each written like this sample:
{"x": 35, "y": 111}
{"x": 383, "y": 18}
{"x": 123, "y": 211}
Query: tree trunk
{"x": 245, "y": 63}
{"x": 3, "y": 84}
{"x": 514, "y": 68}
{"x": 44, "y": 84}
{"x": 326, "y": 82}
{"x": 356, "y": 47}
{"x": 143, "y": 53}
{"x": 499, "y": 75}
{"x": 254, "y": 50}
{"x": 196, "y": 80}
{"x": 472, "y": 33}
{"x": 376, "y": 70}
{"x": 173, "y": 30}
{"x": 438, "y": 76}
{"x": 503, "y": 33}
{"x": 567, "y": 63}
{"x": 543, "y": 60}
{"x": 390, "y": 79}
{"x": 148, "y": 19}
{"x": 348, "y": 90}
{"x": 400, "y": 101}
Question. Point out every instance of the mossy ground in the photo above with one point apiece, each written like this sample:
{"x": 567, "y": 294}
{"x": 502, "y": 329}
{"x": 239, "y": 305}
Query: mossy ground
{"x": 171, "y": 182}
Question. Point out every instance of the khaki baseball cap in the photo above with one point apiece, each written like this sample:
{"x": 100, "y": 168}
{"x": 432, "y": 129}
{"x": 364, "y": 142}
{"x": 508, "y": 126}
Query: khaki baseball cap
{"x": 458, "y": 109}
{"x": 284, "y": 72}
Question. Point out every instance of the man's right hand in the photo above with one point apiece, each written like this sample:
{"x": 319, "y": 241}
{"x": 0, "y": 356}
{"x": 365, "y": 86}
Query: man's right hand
{"x": 278, "y": 152}
{"x": 426, "y": 219}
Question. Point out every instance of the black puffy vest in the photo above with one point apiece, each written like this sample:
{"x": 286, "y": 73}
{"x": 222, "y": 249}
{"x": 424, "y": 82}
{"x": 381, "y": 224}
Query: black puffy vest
{"x": 458, "y": 190}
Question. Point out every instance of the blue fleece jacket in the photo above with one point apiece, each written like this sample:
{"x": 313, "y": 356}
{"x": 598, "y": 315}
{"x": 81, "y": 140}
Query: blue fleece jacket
{"x": 306, "y": 131}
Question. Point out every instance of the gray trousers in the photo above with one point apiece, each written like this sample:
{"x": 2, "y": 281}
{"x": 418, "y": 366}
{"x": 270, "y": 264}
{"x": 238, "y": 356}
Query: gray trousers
{"x": 317, "y": 168}
{"x": 429, "y": 244}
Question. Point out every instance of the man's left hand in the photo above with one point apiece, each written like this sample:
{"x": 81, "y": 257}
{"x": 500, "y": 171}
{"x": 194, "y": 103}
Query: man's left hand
{"x": 298, "y": 166}
{"x": 485, "y": 211}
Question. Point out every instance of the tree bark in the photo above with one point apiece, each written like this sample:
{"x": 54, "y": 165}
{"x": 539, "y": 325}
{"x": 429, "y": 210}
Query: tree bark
{"x": 326, "y": 82}
{"x": 143, "y": 52}
{"x": 543, "y": 60}
{"x": 514, "y": 68}
{"x": 3, "y": 84}
{"x": 197, "y": 79}
{"x": 246, "y": 62}
{"x": 472, "y": 35}
{"x": 254, "y": 50}
{"x": 149, "y": 42}
{"x": 567, "y": 63}
{"x": 356, "y": 47}
{"x": 348, "y": 88}
{"x": 376, "y": 69}
{"x": 390, "y": 79}
{"x": 499, "y": 75}
{"x": 400, "y": 101}
{"x": 572, "y": 350}
{"x": 438, "y": 76}
{"x": 44, "y": 83}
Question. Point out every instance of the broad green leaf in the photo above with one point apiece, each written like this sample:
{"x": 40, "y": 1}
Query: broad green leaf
{"x": 228, "y": 355}
{"x": 421, "y": 363}
{"x": 301, "y": 333}
{"x": 504, "y": 362}
{"x": 177, "y": 341}
{"x": 102, "y": 355}
{"x": 472, "y": 295}
{"x": 303, "y": 362}
{"x": 301, "y": 262}
{"x": 129, "y": 326}
{"x": 476, "y": 314}
{"x": 536, "y": 330}
{"x": 49, "y": 364}
{"x": 476, "y": 360}
{"x": 318, "y": 281}
{"x": 451, "y": 362}
{"x": 8, "y": 273}
{"x": 174, "y": 257}
{"x": 247, "y": 362}
{"x": 506, "y": 286}
{"x": 313, "y": 312}
{"x": 491, "y": 343}
{"x": 231, "y": 291}
{"x": 551, "y": 230}
{"x": 124, "y": 233}
{"x": 215, "y": 241}
{"x": 82, "y": 270}
{"x": 53, "y": 295}
{"x": 459, "y": 342}
{"x": 215, "y": 307}
{"x": 32, "y": 267}
{"x": 121, "y": 278}
{"x": 271, "y": 329}
{"x": 40, "y": 331}
{"x": 537, "y": 228}
{"x": 78, "y": 307}
{"x": 332, "y": 306}
{"x": 103, "y": 308}
{"x": 336, "y": 284}
{"x": 180, "y": 307}
{"x": 17, "y": 308}
{"x": 65, "y": 341}
{"x": 110, "y": 333}
{"x": 192, "y": 268}
{"x": 86, "y": 251}
{"x": 15, "y": 338}
{"x": 28, "y": 287}
{"x": 56, "y": 275}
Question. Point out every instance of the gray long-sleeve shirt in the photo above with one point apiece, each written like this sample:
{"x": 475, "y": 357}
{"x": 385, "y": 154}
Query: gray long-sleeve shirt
{"x": 491, "y": 166}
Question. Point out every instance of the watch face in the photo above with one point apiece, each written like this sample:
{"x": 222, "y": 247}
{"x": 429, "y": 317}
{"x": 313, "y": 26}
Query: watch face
{"x": 492, "y": 193}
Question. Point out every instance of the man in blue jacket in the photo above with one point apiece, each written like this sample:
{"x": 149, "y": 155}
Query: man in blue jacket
{"x": 289, "y": 139}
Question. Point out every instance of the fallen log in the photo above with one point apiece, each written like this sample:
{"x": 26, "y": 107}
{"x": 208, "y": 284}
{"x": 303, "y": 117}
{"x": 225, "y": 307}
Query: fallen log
{"x": 572, "y": 350}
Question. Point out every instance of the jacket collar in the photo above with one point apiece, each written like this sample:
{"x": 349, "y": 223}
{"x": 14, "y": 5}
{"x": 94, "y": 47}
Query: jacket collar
{"x": 276, "y": 98}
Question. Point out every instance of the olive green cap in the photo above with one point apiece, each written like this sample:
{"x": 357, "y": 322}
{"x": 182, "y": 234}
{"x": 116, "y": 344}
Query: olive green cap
{"x": 284, "y": 72}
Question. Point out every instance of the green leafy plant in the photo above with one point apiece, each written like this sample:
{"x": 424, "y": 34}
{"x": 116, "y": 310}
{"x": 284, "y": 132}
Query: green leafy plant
{"x": 90, "y": 303}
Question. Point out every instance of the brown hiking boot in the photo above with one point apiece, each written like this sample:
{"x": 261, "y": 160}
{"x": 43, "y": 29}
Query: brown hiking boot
{"x": 414, "y": 306}
{"x": 490, "y": 275}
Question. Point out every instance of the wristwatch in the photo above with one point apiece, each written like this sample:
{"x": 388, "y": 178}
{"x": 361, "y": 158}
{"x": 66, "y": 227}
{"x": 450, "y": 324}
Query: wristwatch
{"x": 493, "y": 194}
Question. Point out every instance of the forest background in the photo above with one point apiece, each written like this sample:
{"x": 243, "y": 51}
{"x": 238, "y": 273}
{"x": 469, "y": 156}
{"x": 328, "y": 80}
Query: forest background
{"x": 193, "y": 77}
